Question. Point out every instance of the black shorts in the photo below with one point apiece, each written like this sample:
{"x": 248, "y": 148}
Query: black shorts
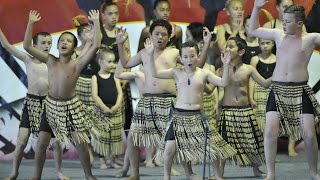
{"x": 307, "y": 107}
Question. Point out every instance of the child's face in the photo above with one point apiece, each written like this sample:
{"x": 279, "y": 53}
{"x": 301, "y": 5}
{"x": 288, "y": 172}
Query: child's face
{"x": 232, "y": 47}
{"x": 290, "y": 25}
{"x": 66, "y": 44}
{"x": 235, "y": 10}
{"x": 160, "y": 36}
{"x": 162, "y": 11}
{"x": 44, "y": 43}
{"x": 283, "y": 5}
{"x": 111, "y": 15}
{"x": 87, "y": 33}
{"x": 189, "y": 57}
{"x": 266, "y": 45}
{"x": 108, "y": 62}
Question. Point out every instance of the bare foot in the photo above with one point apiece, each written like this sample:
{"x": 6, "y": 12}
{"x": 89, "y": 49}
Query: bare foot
{"x": 122, "y": 173}
{"x": 316, "y": 177}
{"x": 193, "y": 177}
{"x": 211, "y": 178}
{"x": 270, "y": 177}
{"x": 175, "y": 172}
{"x": 116, "y": 166}
{"x": 134, "y": 177}
{"x": 258, "y": 173}
{"x": 218, "y": 178}
{"x": 158, "y": 163}
{"x": 150, "y": 164}
{"x": 103, "y": 166}
{"x": 277, "y": 160}
{"x": 60, "y": 176}
{"x": 11, "y": 177}
{"x": 292, "y": 153}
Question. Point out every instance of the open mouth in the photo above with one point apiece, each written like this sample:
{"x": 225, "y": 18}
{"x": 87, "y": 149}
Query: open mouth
{"x": 189, "y": 65}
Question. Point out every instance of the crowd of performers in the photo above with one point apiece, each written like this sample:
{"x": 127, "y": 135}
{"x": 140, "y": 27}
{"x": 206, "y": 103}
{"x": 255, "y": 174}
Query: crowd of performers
{"x": 83, "y": 95}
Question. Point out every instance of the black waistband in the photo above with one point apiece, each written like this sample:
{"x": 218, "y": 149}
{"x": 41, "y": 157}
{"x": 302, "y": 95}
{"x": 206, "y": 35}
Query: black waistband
{"x": 186, "y": 110}
{"x": 236, "y": 107}
{"x": 290, "y": 83}
{"x": 35, "y": 96}
{"x": 159, "y": 95}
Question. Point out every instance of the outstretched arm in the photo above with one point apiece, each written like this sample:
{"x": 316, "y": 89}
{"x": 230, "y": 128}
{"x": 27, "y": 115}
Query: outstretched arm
{"x": 162, "y": 74}
{"x": 34, "y": 17}
{"x": 120, "y": 74}
{"x": 212, "y": 78}
{"x": 14, "y": 51}
{"x": 254, "y": 26}
{"x": 259, "y": 79}
{"x": 204, "y": 53}
{"x": 85, "y": 58}
{"x": 126, "y": 60}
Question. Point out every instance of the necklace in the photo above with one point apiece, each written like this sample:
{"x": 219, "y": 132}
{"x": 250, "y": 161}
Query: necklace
{"x": 235, "y": 66}
{"x": 189, "y": 82}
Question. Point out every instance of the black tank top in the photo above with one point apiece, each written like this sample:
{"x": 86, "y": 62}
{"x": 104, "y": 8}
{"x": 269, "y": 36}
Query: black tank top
{"x": 110, "y": 42}
{"x": 265, "y": 70}
{"x": 250, "y": 52}
{"x": 107, "y": 90}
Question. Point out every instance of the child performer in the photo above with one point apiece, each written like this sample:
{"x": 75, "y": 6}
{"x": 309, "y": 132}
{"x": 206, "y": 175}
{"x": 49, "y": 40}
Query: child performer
{"x": 107, "y": 121}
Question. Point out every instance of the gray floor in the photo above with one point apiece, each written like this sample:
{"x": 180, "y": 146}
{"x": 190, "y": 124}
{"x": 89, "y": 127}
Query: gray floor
{"x": 288, "y": 168}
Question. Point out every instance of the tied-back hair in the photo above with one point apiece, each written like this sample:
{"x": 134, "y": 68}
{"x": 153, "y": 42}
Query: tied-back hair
{"x": 102, "y": 51}
{"x": 36, "y": 36}
{"x": 158, "y": 2}
{"x": 298, "y": 11}
{"x": 190, "y": 44}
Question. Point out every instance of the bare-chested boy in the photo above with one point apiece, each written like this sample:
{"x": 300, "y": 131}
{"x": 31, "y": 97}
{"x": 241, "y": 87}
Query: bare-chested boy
{"x": 290, "y": 98}
{"x": 237, "y": 124}
{"x": 185, "y": 133}
{"x": 153, "y": 110}
{"x": 37, "y": 91}
{"x": 65, "y": 115}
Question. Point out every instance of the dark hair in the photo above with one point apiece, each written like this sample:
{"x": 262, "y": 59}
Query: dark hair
{"x": 245, "y": 19}
{"x": 163, "y": 23}
{"x": 196, "y": 30}
{"x": 102, "y": 51}
{"x": 107, "y": 4}
{"x": 278, "y": 2}
{"x": 241, "y": 43}
{"x": 75, "y": 40}
{"x": 298, "y": 11}
{"x": 158, "y": 2}
{"x": 36, "y": 36}
{"x": 190, "y": 44}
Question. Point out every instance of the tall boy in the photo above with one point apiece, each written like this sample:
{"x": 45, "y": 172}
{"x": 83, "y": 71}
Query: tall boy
{"x": 290, "y": 98}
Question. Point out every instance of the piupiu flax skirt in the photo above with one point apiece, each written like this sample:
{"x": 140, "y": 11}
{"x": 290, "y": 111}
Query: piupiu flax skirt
{"x": 67, "y": 116}
{"x": 209, "y": 108}
{"x": 260, "y": 96}
{"x": 32, "y": 112}
{"x": 288, "y": 97}
{"x": 83, "y": 90}
{"x": 239, "y": 128}
{"x": 150, "y": 118}
{"x": 106, "y": 133}
{"x": 189, "y": 134}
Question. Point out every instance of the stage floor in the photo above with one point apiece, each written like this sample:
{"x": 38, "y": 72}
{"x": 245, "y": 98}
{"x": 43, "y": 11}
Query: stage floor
{"x": 291, "y": 168}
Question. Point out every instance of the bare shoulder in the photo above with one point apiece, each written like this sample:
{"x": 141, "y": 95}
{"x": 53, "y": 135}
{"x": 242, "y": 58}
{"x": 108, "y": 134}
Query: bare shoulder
{"x": 177, "y": 28}
{"x": 145, "y": 30}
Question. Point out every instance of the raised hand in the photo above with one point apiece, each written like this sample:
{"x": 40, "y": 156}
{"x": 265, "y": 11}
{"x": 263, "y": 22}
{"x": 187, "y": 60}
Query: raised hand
{"x": 34, "y": 16}
{"x": 225, "y": 57}
{"x": 149, "y": 46}
{"x": 206, "y": 35}
{"x": 121, "y": 35}
{"x": 260, "y": 3}
{"x": 93, "y": 15}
